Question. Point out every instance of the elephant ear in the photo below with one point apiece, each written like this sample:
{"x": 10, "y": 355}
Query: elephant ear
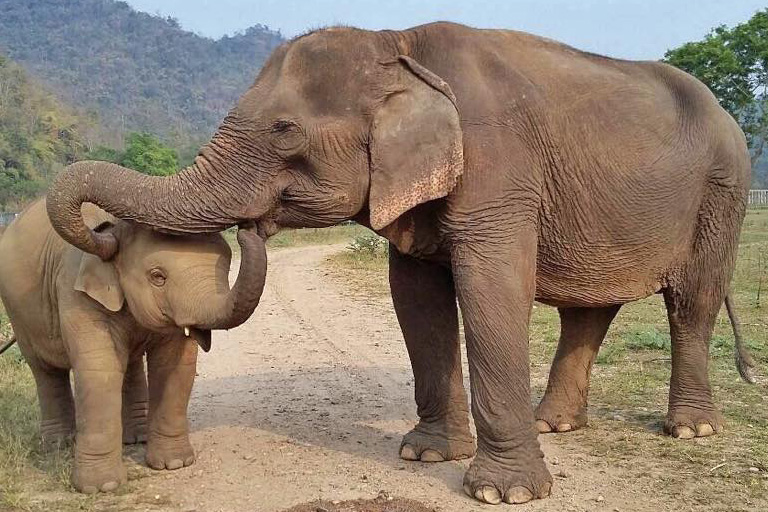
{"x": 99, "y": 280}
{"x": 416, "y": 144}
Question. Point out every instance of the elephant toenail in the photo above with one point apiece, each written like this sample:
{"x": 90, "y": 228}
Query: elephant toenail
{"x": 431, "y": 456}
{"x": 564, "y": 427}
{"x": 89, "y": 489}
{"x": 174, "y": 464}
{"x": 543, "y": 427}
{"x": 518, "y": 495}
{"x": 488, "y": 495}
{"x": 408, "y": 453}
{"x": 109, "y": 486}
{"x": 683, "y": 432}
{"x": 704, "y": 430}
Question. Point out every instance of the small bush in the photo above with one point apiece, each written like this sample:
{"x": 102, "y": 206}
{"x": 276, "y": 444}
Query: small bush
{"x": 369, "y": 245}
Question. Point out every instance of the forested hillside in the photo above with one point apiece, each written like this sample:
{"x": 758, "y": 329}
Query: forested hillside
{"x": 137, "y": 71}
{"x": 38, "y": 136}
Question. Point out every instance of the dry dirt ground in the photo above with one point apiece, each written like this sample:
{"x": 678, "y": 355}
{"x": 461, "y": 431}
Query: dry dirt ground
{"x": 308, "y": 401}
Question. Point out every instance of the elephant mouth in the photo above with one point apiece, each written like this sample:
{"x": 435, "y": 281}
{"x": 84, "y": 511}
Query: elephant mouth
{"x": 201, "y": 336}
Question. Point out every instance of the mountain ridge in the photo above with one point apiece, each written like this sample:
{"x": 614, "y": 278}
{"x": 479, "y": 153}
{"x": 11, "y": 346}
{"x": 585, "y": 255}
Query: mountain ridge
{"x": 137, "y": 71}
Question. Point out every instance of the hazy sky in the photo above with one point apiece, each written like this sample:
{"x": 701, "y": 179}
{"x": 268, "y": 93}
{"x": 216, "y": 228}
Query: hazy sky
{"x": 623, "y": 28}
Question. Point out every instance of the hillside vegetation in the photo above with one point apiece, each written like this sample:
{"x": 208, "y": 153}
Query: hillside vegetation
{"x": 138, "y": 72}
{"x": 38, "y": 136}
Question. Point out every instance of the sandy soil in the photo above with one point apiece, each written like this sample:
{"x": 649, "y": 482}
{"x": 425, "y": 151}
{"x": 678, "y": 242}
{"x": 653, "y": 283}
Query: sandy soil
{"x": 308, "y": 401}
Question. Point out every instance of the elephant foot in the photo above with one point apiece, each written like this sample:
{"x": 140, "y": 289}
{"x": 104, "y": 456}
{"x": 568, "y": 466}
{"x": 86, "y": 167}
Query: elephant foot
{"x": 165, "y": 452}
{"x": 429, "y": 443}
{"x": 559, "y": 416}
{"x": 55, "y": 434}
{"x": 688, "y": 422}
{"x": 519, "y": 481}
{"x": 98, "y": 474}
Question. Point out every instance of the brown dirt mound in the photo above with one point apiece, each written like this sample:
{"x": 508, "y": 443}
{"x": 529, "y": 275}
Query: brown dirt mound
{"x": 382, "y": 503}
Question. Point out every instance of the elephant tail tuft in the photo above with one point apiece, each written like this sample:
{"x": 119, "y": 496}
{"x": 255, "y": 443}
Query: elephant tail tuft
{"x": 744, "y": 361}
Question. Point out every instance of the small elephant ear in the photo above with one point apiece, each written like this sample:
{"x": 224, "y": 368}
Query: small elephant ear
{"x": 416, "y": 144}
{"x": 98, "y": 279}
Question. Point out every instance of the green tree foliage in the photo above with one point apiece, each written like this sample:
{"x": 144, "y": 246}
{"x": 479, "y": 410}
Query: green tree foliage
{"x": 140, "y": 73}
{"x": 144, "y": 152}
{"x": 733, "y": 63}
{"x": 38, "y": 137}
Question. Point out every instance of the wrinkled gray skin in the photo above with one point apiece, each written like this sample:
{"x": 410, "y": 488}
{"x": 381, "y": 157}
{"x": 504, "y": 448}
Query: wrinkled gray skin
{"x": 503, "y": 168}
{"x": 72, "y": 311}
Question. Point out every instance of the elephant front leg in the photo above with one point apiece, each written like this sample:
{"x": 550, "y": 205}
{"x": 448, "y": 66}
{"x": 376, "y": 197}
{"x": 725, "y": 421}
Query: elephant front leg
{"x": 495, "y": 285}
{"x": 425, "y": 303}
{"x": 171, "y": 364}
{"x": 564, "y": 406}
{"x": 135, "y": 398}
{"x": 98, "y": 464}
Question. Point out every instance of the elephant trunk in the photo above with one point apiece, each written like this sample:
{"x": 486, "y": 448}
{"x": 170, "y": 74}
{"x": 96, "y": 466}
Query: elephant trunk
{"x": 204, "y": 197}
{"x": 234, "y": 308}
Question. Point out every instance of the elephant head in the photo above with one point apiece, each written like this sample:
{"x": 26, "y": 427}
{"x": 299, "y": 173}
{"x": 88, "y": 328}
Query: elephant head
{"x": 340, "y": 124}
{"x": 174, "y": 282}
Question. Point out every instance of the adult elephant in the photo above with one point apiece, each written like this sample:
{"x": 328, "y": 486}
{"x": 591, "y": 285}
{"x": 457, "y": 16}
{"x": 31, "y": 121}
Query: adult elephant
{"x": 503, "y": 168}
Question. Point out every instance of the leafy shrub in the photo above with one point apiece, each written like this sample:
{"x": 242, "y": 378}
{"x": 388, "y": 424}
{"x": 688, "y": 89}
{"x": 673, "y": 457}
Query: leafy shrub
{"x": 369, "y": 245}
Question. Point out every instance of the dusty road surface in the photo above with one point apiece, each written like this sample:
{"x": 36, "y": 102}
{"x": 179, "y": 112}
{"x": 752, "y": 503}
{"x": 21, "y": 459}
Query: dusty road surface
{"x": 309, "y": 399}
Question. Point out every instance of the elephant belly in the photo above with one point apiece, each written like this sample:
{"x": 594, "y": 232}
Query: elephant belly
{"x": 597, "y": 277}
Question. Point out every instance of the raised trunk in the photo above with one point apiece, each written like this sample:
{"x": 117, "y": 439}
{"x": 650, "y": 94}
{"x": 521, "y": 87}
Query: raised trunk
{"x": 232, "y": 309}
{"x": 210, "y": 195}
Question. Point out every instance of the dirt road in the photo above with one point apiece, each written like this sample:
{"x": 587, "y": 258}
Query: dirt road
{"x": 309, "y": 399}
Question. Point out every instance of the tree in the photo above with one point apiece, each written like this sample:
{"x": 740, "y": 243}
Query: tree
{"x": 38, "y": 136}
{"x": 145, "y": 153}
{"x": 733, "y": 63}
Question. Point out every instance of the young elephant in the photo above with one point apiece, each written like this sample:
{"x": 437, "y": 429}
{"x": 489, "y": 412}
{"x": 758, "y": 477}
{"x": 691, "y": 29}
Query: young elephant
{"x": 159, "y": 294}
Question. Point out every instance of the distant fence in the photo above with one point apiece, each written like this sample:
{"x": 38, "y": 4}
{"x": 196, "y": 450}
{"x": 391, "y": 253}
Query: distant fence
{"x": 7, "y": 218}
{"x": 758, "y": 199}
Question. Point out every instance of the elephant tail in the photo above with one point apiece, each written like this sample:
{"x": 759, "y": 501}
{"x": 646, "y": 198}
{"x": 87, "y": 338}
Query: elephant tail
{"x": 744, "y": 362}
{"x": 5, "y": 346}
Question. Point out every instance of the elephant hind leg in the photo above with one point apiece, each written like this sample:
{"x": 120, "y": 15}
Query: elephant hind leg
{"x": 692, "y": 315}
{"x": 135, "y": 400}
{"x": 57, "y": 408}
{"x": 693, "y": 298}
{"x": 564, "y": 405}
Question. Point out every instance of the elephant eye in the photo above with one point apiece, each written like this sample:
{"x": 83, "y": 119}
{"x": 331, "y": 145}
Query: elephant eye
{"x": 282, "y": 126}
{"x": 157, "y": 277}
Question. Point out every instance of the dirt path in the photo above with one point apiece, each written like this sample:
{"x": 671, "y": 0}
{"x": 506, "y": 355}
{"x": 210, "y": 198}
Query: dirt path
{"x": 309, "y": 400}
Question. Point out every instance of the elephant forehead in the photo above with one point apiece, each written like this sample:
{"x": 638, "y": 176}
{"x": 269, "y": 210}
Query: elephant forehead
{"x": 210, "y": 249}
{"x": 330, "y": 71}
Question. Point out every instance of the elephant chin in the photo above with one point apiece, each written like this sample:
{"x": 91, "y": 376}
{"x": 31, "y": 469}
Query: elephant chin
{"x": 202, "y": 337}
